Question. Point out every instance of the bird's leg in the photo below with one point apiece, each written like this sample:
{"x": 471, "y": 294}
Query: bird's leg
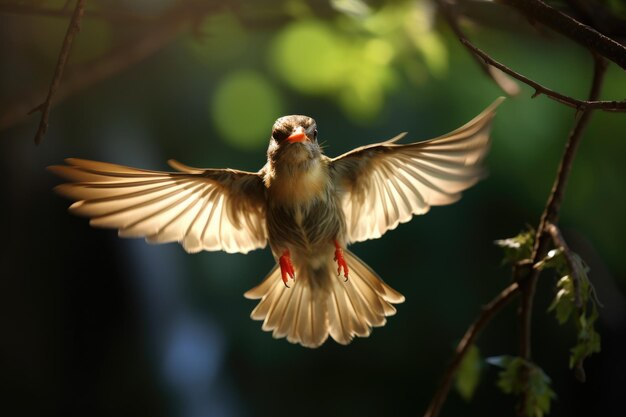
{"x": 286, "y": 267}
{"x": 341, "y": 262}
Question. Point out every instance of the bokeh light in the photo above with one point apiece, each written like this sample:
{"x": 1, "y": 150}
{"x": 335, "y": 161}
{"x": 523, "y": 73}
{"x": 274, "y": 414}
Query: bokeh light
{"x": 243, "y": 108}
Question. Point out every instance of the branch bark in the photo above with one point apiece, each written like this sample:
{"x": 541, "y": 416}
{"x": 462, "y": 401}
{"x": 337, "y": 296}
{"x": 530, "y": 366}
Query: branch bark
{"x": 619, "y": 106}
{"x": 537, "y": 10}
{"x": 44, "y": 108}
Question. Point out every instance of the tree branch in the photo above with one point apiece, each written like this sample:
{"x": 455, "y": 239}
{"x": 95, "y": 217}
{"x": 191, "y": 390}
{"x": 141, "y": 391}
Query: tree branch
{"x": 619, "y": 106}
{"x": 487, "y": 313}
{"x": 44, "y": 108}
{"x": 550, "y": 215}
{"x": 507, "y": 85}
{"x": 584, "y": 35}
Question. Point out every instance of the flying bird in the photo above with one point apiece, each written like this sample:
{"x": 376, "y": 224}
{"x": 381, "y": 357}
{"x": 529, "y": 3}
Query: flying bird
{"x": 307, "y": 206}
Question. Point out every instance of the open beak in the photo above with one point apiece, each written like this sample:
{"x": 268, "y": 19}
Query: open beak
{"x": 297, "y": 135}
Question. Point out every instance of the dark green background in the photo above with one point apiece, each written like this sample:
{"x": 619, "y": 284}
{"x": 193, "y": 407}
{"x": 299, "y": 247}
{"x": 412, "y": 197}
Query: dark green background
{"x": 95, "y": 325}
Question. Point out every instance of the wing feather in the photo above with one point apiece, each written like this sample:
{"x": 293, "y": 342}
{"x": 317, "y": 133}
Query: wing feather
{"x": 386, "y": 184}
{"x": 204, "y": 209}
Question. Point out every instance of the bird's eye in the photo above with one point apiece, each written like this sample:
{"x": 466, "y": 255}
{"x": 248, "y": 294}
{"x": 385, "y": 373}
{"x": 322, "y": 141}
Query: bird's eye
{"x": 315, "y": 134}
{"x": 279, "y": 135}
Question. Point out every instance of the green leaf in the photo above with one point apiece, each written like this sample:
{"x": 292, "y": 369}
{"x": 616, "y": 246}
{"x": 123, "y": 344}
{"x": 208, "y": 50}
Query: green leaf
{"x": 565, "y": 307}
{"x": 555, "y": 259}
{"x": 540, "y": 393}
{"x": 519, "y": 247}
{"x": 520, "y": 376}
{"x": 588, "y": 341}
{"x": 509, "y": 380}
{"x": 468, "y": 376}
{"x": 563, "y": 303}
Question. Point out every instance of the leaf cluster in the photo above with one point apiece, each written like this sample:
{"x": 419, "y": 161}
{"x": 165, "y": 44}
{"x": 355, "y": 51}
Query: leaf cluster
{"x": 517, "y": 248}
{"x": 575, "y": 301}
{"x": 521, "y": 377}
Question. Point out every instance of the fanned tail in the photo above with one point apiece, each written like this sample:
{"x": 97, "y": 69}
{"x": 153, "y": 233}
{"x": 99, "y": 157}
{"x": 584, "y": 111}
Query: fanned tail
{"x": 319, "y": 303}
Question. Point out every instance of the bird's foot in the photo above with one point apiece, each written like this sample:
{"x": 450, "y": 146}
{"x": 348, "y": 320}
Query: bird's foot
{"x": 341, "y": 262}
{"x": 286, "y": 267}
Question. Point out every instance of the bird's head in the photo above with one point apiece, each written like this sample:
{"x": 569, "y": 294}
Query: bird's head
{"x": 293, "y": 141}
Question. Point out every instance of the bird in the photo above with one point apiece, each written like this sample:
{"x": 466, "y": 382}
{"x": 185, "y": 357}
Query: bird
{"x": 307, "y": 206}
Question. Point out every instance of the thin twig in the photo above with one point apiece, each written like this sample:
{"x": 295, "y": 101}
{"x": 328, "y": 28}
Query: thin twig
{"x": 551, "y": 215}
{"x": 44, "y": 108}
{"x": 537, "y": 10}
{"x": 487, "y": 313}
{"x": 153, "y": 39}
{"x": 619, "y": 106}
{"x": 560, "y": 243}
{"x": 506, "y": 84}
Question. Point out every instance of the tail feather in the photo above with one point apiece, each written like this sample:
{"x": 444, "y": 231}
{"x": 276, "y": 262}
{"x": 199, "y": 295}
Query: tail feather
{"x": 270, "y": 286}
{"x": 290, "y": 315}
{"x": 353, "y": 305}
{"x": 351, "y": 322}
{"x": 264, "y": 287}
{"x": 388, "y": 294}
{"x": 320, "y": 304}
{"x": 277, "y": 312}
{"x": 339, "y": 322}
{"x": 368, "y": 303}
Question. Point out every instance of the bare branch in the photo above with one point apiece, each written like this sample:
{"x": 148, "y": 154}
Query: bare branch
{"x": 44, "y": 108}
{"x": 507, "y": 85}
{"x": 487, "y": 313}
{"x": 537, "y": 10}
{"x": 619, "y": 106}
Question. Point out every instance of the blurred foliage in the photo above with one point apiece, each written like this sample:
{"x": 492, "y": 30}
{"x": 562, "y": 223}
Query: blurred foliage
{"x": 356, "y": 58}
{"x": 514, "y": 377}
{"x": 245, "y": 95}
{"x": 468, "y": 375}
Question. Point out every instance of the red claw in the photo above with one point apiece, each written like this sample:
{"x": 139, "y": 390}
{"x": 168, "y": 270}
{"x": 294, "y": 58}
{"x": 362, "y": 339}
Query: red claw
{"x": 341, "y": 262}
{"x": 286, "y": 267}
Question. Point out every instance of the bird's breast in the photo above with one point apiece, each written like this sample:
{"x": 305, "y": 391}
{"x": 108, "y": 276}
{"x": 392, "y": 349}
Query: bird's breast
{"x": 299, "y": 184}
{"x": 304, "y": 213}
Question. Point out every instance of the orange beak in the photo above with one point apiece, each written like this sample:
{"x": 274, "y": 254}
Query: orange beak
{"x": 298, "y": 135}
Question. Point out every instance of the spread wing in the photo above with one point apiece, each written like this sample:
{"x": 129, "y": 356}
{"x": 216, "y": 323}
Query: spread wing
{"x": 387, "y": 183}
{"x": 203, "y": 209}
